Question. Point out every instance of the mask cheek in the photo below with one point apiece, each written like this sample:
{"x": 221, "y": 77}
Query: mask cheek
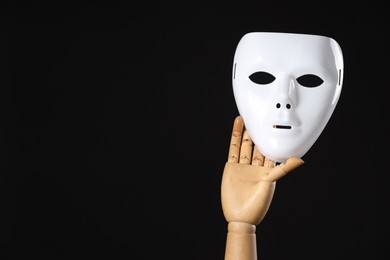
{"x": 251, "y": 101}
{"x": 314, "y": 115}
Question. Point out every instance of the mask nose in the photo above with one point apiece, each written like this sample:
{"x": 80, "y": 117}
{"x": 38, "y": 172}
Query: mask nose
{"x": 279, "y": 105}
{"x": 285, "y": 98}
{"x": 282, "y": 102}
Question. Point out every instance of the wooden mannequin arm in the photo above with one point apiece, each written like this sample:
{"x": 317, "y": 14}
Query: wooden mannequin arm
{"x": 247, "y": 188}
{"x": 241, "y": 242}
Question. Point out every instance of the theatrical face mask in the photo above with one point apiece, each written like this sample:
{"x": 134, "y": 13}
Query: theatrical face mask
{"x": 286, "y": 87}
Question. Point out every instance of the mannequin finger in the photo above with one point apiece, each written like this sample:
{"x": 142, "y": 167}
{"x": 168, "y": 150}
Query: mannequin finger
{"x": 282, "y": 169}
{"x": 257, "y": 157}
{"x": 246, "y": 148}
{"x": 268, "y": 162}
{"x": 235, "y": 142}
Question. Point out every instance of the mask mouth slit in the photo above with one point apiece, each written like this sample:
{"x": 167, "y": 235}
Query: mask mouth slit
{"x": 282, "y": 126}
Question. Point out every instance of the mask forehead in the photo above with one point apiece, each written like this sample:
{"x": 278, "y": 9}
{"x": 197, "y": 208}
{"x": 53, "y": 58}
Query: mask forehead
{"x": 283, "y": 115}
{"x": 285, "y": 51}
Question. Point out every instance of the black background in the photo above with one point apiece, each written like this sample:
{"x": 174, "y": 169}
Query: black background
{"x": 116, "y": 121}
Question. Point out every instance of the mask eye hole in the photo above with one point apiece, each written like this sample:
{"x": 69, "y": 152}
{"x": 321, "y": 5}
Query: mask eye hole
{"x": 262, "y": 77}
{"x": 310, "y": 80}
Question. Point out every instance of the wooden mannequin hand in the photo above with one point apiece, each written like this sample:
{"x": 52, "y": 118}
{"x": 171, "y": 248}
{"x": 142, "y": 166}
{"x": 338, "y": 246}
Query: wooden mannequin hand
{"x": 248, "y": 181}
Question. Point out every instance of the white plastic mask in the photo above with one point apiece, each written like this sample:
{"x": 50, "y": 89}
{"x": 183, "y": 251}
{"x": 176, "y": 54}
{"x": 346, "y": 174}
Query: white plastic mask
{"x": 286, "y": 87}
